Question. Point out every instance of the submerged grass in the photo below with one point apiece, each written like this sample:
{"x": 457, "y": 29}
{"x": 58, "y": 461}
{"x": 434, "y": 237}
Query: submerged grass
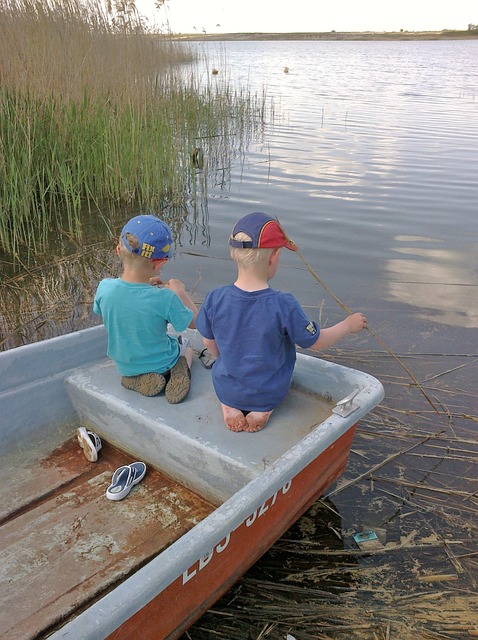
{"x": 93, "y": 115}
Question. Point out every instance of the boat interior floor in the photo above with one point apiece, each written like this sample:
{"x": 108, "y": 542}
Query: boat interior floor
{"x": 64, "y": 544}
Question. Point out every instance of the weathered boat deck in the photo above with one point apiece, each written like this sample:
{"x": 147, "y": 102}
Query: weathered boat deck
{"x": 64, "y": 544}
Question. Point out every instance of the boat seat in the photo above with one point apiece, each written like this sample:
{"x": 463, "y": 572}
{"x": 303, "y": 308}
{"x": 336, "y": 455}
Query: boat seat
{"x": 189, "y": 441}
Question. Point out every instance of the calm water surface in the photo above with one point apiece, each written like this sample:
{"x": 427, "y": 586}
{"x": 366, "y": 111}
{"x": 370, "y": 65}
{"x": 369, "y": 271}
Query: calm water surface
{"x": 371, "y": 164}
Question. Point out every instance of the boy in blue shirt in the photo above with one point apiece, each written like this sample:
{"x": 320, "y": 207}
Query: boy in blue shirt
{"x": 253, "y": 329}
{"x": 136, "y": 314}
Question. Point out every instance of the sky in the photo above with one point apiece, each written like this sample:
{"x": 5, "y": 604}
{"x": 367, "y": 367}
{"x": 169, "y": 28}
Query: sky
{"x": 229, "y": 16}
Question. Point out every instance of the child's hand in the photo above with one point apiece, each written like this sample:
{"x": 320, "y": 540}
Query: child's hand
{"x": 356, "y": 322}
{"x": 156, "y": 281}
{"x": 175, "y": 285}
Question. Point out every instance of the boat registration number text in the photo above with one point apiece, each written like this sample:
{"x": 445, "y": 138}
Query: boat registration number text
{"x": 200, "y": 564}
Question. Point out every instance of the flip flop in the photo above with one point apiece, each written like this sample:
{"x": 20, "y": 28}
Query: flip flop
{"x": 139, "y": 471}
{"x": 207, "y": 359}
{"x": 123, "y": 480}
{"x": 89, "y": 442}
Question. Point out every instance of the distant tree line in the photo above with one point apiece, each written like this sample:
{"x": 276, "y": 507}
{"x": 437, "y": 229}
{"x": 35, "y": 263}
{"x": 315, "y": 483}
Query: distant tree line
{"x": 472, "y": 27}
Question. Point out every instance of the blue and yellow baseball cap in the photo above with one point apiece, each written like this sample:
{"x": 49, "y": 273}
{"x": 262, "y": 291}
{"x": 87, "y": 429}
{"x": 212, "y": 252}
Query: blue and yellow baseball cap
{"x": 148, "y": 236}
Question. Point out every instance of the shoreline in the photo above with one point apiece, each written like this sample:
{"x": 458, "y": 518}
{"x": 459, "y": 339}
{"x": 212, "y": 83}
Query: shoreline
{"x": 330, "y": 35}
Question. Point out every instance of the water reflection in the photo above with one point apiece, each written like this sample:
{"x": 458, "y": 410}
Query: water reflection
{"x": 55, "y": 297}
{"x": 435, "y": 279}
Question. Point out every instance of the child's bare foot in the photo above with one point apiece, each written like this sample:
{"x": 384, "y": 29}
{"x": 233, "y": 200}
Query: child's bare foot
{"x": 257, "y": 420}
{"x": 234, "y": 418}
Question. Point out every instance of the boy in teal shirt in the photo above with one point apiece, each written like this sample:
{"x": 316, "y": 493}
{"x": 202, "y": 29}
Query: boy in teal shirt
{"x": 136, "y": 313}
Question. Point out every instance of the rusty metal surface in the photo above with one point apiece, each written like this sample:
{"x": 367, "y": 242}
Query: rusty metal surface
{"x": 63, "y": 543}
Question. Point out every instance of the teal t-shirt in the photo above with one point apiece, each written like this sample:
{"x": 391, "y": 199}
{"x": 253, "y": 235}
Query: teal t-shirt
{"x": 136, "y": 317}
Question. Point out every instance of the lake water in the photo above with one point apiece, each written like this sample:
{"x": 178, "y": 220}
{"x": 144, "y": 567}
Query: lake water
{"x": 371, "y": 164}
{"x": 372, "y": 167}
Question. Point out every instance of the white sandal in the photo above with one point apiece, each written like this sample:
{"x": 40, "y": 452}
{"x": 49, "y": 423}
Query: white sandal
{"x": 89, "y": 442}
{"x": 207, "y": 359}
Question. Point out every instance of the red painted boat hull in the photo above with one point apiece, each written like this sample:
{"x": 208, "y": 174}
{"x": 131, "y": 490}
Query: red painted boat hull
{"x": 178, "y": 606}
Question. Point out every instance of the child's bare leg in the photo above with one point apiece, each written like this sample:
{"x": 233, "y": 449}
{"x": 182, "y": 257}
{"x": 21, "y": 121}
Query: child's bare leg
{"x": 234, "y": 418}
{"x": 256, "y": 420}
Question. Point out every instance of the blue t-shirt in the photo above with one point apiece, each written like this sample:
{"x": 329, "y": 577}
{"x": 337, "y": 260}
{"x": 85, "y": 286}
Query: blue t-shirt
{"x": 256, "y": 333}
{"x": 136, "y": 317}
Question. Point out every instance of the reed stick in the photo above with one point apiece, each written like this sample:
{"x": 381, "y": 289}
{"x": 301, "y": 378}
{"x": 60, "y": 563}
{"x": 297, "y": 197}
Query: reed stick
{"x": 369, "y": 472}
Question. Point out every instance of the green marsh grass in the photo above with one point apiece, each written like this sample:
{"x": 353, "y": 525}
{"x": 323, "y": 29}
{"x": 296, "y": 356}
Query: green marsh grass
{"x": 95, "y": 117}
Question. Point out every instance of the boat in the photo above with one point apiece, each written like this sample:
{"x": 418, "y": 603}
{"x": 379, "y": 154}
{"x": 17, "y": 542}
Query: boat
{"x": 77, "y": 565}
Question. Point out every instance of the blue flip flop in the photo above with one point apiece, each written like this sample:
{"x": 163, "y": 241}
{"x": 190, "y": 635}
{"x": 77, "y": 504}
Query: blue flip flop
{"x": 123, "y": 480}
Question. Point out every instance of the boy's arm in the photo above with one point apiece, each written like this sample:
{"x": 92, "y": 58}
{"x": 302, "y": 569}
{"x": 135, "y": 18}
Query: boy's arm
{"x": 178, "y": 287}
{"x": 330, "y": 335}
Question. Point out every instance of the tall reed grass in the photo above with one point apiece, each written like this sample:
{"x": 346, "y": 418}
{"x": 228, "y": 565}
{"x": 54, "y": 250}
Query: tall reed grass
{"x": 96, "y": 113}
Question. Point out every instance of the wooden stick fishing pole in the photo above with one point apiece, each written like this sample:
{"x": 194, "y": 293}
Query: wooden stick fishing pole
{"x": 349, "y": 312}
